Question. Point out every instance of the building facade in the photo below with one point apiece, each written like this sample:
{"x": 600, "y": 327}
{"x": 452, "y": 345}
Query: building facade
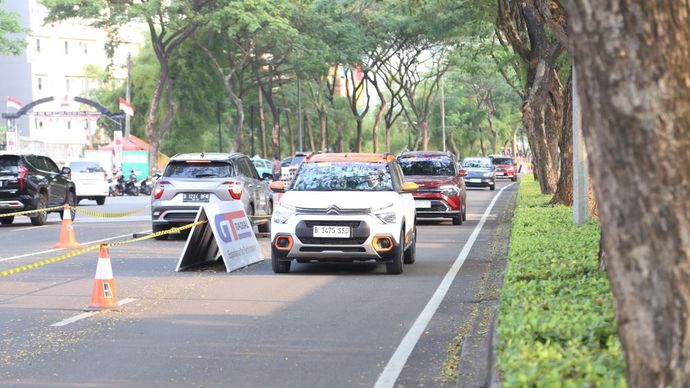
{"x": 58, "y": 61}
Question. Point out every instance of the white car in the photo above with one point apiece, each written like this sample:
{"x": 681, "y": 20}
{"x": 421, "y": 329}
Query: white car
{"x": 344, "y": 208}
{"x": 90, "y": 180}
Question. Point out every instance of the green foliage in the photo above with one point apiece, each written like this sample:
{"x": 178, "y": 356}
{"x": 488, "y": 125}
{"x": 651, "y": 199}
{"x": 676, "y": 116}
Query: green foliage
{"x": 556, "y": 323}
{"x": 9, "y": 24}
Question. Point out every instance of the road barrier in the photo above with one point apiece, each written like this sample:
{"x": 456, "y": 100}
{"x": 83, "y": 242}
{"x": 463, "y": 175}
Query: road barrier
{"x": 68, "y": 238}
{"x": 103, "y": 295}
{"x": 25, "y": 212}
{"x": 93, "y": 248}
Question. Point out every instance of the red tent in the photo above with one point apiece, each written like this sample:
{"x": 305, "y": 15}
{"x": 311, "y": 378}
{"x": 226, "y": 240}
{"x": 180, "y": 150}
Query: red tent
{"x": 132, "y": 143}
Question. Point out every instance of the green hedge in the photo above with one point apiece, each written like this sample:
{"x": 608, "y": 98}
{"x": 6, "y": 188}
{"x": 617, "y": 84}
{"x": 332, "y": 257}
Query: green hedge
{"x": 556, "y": 325}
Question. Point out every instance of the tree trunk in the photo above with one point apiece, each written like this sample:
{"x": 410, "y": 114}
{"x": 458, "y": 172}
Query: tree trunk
{"x": 481, "y": 141}
{"x": 239, "y": 123}
{"x": 275, "y": 133}
{"x": 564, "y": 188}
{"x": 340, "y": 141}
{"x": 323, "y": 122}
{"x": 375, "y": 128}
{"x": 152, "y": 137}
{"x": 426, "y": 135}
{"x": 632, "y": 61}
{"x": 388, "y": 138}
{"x": 358, "y": 140}
{"x": 262, "y": 124}
{"x": 291, "y": 137}
{"x": 310, "y": 133}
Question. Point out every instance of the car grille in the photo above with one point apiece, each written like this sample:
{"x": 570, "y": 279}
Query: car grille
{"x": 332, "y": 210}
{"x": 360, "y": 232}
{"x": 428, "y": 190}
{"x": 180, "y": 217}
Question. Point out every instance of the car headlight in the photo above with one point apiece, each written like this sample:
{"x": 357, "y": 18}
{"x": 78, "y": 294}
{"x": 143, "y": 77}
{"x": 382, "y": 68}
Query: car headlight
{"x": 386, "y": 214}
{"x": 488, "y": 174}
{"x": 283, "y": 213}
{"x": 449, "y": 191}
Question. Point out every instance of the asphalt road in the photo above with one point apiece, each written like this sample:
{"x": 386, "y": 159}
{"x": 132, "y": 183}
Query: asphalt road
{"x": 320, "y": 325}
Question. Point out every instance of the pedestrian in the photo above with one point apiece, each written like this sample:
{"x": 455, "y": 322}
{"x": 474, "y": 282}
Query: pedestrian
{"x": 275, "y": 169}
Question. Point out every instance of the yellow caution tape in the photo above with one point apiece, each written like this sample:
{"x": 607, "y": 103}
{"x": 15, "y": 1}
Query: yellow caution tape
{"x": 108, "y": 215}
{"x": 93, "y": 248}
{"x": 43, "y": 209}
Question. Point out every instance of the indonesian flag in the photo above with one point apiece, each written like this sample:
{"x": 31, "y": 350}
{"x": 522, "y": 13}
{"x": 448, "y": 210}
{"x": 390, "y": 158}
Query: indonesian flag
{"x": 126, "y": 107}
{"x": 13, "y": 103}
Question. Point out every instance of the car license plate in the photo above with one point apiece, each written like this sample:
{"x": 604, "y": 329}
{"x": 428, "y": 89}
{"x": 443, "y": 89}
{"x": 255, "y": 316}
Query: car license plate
{"x": 422, "y": 204}
{"x": 500, "y": 173}
{"x": 475, "y": 180}
{"x": 195, "y": 197}
{"x": 331, "y": 231}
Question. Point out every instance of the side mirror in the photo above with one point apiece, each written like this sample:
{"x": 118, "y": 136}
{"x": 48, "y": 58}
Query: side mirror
{"x": 277, "y": 186}
{"x": 410, "y": 187}
{"x": 66, "y": 171}
{"x": 462, "y": 172}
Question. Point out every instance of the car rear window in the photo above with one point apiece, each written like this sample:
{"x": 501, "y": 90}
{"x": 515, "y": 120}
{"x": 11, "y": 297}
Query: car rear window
{"x": 503, "y": 161}
{"x": 297, "y": 160}
{"x": 198, "y": 169}
{"x": 343, "y": 176}
{"x": 85, "y": 166}
{"x": 8, "y": 164}
{"x": 427, "y": 166}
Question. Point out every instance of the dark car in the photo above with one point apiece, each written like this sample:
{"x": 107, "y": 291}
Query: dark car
{"x": 29, "y": 182}
{"x": 505, "y": 167}
{"x": 480, "y": 172}
{"x": 441, "y": 190}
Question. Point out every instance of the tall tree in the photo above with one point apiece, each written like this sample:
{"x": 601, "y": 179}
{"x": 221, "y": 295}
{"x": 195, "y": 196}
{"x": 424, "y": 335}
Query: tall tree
{"x": 632, "y": 70}
{"x": 9, "y": 24}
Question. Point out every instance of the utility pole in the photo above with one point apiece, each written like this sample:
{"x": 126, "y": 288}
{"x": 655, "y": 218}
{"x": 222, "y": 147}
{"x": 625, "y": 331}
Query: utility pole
{"x": 443, "y": 116}
{"x": 299, "y": 114}
{"x": 580, "y": 174}
{"x": 128, "y": 94}
{"x": 251, "y": 126}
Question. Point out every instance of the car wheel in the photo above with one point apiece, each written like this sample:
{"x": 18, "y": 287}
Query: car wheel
{"x": 279, "y": 266}
{"x": 41, "y": 217}
{"x": 464, "y": 210}
{"x": 457, "y": 220}
{"x": 411, "y": 252}
{"x": 396, "y": 266}
{"x": 492, "y": 186}
{"x": 514, "y": 178}
{"x": 7, "y": 220}
{"x": 71, "y": 201}
{"x": 159, "y": 228}
{"x": 100, "y": 200}
{"x": 266, "y": 228}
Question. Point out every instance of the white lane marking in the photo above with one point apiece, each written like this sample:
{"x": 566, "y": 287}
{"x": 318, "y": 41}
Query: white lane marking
{"x": 86, "y": 315}
{"x": 399, "y": 359}
{"x": 60, "y": 249}
{"x": 29, "y": 228}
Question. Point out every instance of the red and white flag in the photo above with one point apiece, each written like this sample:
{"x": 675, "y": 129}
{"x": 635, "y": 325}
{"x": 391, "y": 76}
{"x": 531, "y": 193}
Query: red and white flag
{"x": 13, "y": 103}
{"x": 65, "y": 103}
{"x": 126, "y": 107}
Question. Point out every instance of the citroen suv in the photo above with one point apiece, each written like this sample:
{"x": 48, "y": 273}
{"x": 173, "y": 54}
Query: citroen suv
{"x": 191, "y": 180}
{"x": 29, "y": 182}
{"x": 441, "y": 190}
{"x": 343, "y": 208}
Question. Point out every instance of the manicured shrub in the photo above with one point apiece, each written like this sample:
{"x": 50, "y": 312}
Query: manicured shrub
{"x": 556, "y": 322}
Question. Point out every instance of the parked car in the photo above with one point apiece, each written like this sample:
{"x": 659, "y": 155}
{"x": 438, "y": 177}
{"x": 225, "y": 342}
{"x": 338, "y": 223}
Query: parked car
{"x": 263, "y": 167}
{"x": 344, "y": 208}
{"x": 90, "y": 179}
{"x": 288, "y": 170}
{"x": 480, "y": 172}
{"x": 190, "y": 180}
{"x": 441, "y": 190}
{"x": 505, "y": 167}
{"x": 30, "y": 181}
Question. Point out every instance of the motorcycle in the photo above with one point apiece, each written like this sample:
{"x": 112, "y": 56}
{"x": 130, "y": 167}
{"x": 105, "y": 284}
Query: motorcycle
{"x": 130, "y": 187}
{"x": 146, "y": 186}
{"x": 115, "y": 185}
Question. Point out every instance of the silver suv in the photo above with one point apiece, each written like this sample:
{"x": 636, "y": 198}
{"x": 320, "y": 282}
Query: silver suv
{"x": 190, "y": 180}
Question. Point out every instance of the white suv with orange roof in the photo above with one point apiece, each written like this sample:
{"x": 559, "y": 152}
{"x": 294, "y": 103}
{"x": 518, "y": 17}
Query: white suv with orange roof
{"x": 343, "y": 208}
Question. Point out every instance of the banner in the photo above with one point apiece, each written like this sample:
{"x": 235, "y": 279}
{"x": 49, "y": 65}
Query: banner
{"x": 117, "y": 149}
{"x": 227, "y": 234}
{"x": 11, "y": 141}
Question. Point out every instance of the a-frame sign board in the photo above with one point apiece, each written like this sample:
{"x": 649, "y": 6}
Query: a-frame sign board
{"x": 227, "y": 234}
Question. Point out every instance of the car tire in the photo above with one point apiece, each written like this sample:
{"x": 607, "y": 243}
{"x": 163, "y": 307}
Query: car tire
{"x": 100, "y": 200}
{"x": 71, "y": 201}
{"x": 396, "y": 266}
{"x": 7, "y": 220}
{"x": 464, "y": 210}
{"x": 492, "y": 186}
{"x": 457, "y": 220}
{"x": 266, "y": 228}
{"x": 159, "y": 228}
{"x": 41, "y": 217}
{"x": 514, "y": 178}
{"x": 278, "y": 265}
{"x": 411, "y": 251}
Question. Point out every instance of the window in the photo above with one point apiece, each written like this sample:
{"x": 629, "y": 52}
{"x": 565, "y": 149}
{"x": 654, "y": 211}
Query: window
{"x": 428, "y": 166}
{"x": 50, "y": 165}
{"x": 66, "y": 47}
{"x": 201, "y": 169}
{"x": 67, "y": 85}
{"x": 39, "y": 82}
{"x": 38, "y": 45}
{"x": 343, "y": 176}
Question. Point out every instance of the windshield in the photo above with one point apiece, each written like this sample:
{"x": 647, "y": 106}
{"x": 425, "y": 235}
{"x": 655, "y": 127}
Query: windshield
{"x": 503, "y": 161}
{"x": 85, "y": 167}
{"x": 476, "y": 163}
{"x": 435, "y": 166}
{"x": 192, "y": 169}
{"x": 8, "y": 164}
{"x": 343, "y": 176}
{"x": 297, "y": 160}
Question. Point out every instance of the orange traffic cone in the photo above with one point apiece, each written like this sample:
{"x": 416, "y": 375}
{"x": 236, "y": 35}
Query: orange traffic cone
{"x": 103, "y": 295}
{"x": 67, "y": 237}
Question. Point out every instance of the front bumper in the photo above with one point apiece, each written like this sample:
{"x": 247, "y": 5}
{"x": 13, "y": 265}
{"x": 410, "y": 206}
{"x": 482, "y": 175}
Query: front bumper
{"x": 436, "y": 205}
{"x": 480, "y": 181}
{"x": 358, "y": 247}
